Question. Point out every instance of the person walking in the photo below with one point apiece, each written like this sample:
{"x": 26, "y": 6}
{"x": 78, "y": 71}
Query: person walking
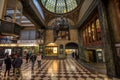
{"x": 17, "y": 65}
{"x": 13, "y": 62}
{"x": 8, "y": 65}
{"x": 33, "y": 59}
{"x": 27, "y": 56}
{"x": 39, "y": 60}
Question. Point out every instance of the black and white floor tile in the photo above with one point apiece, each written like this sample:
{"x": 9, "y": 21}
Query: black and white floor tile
{"x": 63, "y": 69}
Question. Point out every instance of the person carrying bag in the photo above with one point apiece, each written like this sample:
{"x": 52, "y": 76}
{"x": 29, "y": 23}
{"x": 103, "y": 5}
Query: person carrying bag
{"x": 39, "y": 60}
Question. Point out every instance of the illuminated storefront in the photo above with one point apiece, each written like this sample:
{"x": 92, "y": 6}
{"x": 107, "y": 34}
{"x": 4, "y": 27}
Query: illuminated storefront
{"x": 51, "y": 49}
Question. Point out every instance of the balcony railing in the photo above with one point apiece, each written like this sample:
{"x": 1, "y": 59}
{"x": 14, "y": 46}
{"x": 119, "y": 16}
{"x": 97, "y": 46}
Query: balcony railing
{"x": 9, "y": 28}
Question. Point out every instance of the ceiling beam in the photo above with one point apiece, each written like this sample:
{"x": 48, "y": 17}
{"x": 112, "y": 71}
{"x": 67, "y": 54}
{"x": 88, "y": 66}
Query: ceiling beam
{"x": 31, "y": 15}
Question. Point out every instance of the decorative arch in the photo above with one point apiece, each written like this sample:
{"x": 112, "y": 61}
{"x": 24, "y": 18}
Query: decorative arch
{"x": 71, "y": 45}
{"x": 53, "y": 20}
{"x": 51, "y": 44}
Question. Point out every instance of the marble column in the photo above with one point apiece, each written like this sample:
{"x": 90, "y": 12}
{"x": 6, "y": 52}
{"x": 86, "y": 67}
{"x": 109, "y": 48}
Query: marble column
{"x": 61, "y": 51}
{"x": 107, "y": 38}
{"x": 81, "y": 48}
{"x": 2, "y": 4}
{"x": 114, "y": 24}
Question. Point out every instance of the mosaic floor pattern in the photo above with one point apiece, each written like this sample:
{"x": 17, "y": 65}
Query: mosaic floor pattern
{"x": 63, "y": 69}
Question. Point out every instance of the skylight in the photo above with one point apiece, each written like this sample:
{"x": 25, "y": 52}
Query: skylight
{"x": 37, "y": 5}
{"x": 59, "y": 6}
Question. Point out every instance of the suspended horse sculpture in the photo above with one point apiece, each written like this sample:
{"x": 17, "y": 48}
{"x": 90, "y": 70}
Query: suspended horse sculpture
{"x": 61, "y": 29}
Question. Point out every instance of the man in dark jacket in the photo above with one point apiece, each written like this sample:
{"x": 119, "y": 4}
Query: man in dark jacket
{"x": 33, "y": 59}
{"x": 8, "y": 65}
{"x": 17, "y": 65}
{"x": 27, "y": 56}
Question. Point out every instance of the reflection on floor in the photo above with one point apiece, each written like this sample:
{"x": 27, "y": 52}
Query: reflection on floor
{"x": 66, "y": 69}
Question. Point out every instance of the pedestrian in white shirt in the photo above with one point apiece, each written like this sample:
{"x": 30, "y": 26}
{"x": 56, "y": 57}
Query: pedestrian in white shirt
{"x": 39, "y": 60}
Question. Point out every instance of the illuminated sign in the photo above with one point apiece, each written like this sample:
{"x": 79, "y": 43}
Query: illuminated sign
{"x": 30, "y": 41}
{"x": 5, "y": 40}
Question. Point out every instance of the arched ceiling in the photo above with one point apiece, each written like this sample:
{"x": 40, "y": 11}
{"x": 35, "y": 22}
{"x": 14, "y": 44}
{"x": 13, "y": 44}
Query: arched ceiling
{"x": 59, "y": 6}
{"x": 72, "y": 14}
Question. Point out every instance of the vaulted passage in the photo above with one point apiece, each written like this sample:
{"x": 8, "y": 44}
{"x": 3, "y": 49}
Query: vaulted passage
{"x": 74, "y": 39}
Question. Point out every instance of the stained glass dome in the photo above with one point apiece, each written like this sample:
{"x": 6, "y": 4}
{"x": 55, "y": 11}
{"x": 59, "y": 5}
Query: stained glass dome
{"x": 59, "y": 6}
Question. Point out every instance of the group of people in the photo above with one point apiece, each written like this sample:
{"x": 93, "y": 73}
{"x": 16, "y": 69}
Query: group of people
{"x": 17, "y": 61}
{"x": 32, "y": 57}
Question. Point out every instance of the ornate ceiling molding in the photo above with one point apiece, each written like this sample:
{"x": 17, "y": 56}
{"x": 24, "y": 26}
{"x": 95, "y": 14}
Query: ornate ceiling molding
{"x": 73, "y": 15}
{"x": 28, "y": 10}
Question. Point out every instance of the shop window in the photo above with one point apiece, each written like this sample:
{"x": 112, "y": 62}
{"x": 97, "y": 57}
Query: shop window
{"x": 91, "y": 32}
{"x": 84, "y": 39}
{"x": 51, "y": 49}
{"x": 86, "y": 35}
{"x": 98, "y": 29}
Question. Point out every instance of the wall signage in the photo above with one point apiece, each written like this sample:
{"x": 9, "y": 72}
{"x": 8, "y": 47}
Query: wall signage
{"x": 5, "y": 41}
{"x": 29, "y": 41}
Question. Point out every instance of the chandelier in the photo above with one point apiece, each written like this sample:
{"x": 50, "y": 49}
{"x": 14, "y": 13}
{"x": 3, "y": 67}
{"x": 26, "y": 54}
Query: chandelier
{"x": 61, "y": 29}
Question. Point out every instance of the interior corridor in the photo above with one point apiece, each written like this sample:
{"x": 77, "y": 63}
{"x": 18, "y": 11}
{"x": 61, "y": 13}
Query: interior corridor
{"x": 55, "y": 69}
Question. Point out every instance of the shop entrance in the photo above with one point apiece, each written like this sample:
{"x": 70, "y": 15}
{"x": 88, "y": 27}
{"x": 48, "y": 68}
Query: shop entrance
{"x": 10, "y": 51}
{"x": 94, "y": 55}
{"x": 51, "y": 50}
{"x": 71, "y": 50}
{"x": 91, "y": 55}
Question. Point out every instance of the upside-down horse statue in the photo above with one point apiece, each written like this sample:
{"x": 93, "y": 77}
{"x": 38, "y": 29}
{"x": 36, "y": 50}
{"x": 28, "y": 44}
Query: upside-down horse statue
{"x": 61, "y": 29}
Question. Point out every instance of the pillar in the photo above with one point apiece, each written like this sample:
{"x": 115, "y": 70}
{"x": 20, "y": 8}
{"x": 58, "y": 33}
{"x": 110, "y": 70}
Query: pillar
{"x": 2, "y": 4}
{"x": 61, "y": 51}
{"x": 80, "y": 46}
{"x": 15, "y": 10}
{"x": 108, "y": 45}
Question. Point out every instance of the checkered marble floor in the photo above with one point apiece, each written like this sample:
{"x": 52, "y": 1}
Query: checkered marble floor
{"x": 60, "y": 69}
